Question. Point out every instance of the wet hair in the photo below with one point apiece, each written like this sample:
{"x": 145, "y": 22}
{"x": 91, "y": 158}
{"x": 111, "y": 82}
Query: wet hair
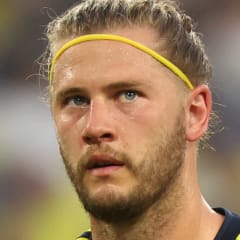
{"x": 182, "y": 44}
{"x": 176, "y": 30}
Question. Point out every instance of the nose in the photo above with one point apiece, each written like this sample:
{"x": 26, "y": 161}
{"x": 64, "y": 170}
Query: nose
{"x": 98, "y": 125}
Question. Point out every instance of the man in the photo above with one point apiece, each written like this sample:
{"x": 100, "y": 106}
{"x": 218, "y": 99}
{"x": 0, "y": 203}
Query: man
{"x": 130, "y": 99}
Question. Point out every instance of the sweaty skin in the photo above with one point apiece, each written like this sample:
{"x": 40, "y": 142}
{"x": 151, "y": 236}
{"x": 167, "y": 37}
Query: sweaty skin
{"x": 128, "y": 130}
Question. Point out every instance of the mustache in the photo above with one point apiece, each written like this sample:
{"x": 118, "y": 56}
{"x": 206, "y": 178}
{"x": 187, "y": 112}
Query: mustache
{"x": 104, "y": 150}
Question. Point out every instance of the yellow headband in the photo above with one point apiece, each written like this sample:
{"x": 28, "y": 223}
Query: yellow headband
{"x": 92, "y": 37}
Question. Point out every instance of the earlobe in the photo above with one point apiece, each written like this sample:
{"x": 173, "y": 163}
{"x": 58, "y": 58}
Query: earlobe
{"x": 199, "y": 106}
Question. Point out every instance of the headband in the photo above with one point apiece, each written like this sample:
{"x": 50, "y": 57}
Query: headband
{"x": 93, "y": 37}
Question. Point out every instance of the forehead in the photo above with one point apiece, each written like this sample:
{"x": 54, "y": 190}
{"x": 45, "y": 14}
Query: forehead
{"x": 145, "y": 35}
{"x": 90, "y": 59}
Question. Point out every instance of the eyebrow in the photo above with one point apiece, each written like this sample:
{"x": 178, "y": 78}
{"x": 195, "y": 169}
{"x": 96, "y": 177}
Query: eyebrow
{"x": 62, "y": 94}
{"x": 124, "y": 84}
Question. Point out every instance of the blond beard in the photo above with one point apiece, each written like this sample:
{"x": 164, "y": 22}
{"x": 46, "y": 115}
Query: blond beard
{"x": 159, "y": 171}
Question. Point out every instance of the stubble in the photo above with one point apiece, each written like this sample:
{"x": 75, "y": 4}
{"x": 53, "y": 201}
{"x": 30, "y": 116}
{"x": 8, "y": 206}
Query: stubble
{"x": 158, "y": 171}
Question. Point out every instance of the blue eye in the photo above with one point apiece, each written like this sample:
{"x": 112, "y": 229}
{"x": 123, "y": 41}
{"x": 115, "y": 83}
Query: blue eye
{"x": 78, "y": 101}
{"x": 130, "y": 95}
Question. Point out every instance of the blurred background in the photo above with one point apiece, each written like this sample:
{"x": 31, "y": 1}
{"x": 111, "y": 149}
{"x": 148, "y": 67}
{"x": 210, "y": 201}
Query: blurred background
{"x": 36, "y": 198}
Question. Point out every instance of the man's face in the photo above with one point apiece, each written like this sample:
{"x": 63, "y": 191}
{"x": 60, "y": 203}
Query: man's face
{"x": 120, "y": 124}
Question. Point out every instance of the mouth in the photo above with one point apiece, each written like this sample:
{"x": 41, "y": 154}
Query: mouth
{"x": 103, "y": 164}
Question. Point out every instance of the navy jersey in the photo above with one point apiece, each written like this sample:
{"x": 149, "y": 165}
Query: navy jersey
{"x": 230, "y": 229}
{"x": 85, "y": 236}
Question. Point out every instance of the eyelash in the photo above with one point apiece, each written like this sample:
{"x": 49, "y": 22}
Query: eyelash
{"x": 83, "y": 99}
{"x": 125, "y": 92}
{"x": 71, "y": 100}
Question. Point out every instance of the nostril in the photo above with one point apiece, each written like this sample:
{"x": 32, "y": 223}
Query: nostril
{"x": 89, "y": 139}
{"x": 94, "y": 139}
{"x": 107, "y": 135}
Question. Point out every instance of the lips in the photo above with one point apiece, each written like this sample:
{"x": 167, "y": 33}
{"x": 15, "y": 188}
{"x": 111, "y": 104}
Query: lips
{"x": 103, "y": 161}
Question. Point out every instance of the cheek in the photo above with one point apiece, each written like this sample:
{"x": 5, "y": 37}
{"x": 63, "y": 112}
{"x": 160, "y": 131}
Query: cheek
{"x": 147, "y": 127}
{"x": 146, "y": 120}
{"x": 66, "y": 122}
{"x": 138, "y": 130}
{"x": 63, "y": 127}
{"x": 70, "y": 146}
{"x": 67, "y": 132}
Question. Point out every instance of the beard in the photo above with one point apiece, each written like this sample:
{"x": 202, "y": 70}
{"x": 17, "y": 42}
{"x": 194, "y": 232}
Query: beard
{"x": 156, "y": 173}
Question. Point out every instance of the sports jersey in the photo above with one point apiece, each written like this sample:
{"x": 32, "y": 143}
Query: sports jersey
{"x": 230, "y": 229}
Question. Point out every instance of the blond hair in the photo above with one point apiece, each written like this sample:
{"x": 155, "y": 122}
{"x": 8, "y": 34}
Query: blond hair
{"x": 183, "y": 44}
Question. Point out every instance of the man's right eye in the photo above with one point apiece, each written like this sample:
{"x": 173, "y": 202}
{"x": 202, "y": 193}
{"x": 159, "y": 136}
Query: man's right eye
{"x": 78, "y": 101}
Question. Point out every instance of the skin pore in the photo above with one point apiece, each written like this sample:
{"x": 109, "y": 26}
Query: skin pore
{"x": 114, "y": 105}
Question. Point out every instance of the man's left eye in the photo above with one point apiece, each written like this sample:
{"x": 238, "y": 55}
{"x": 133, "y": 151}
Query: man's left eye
{"x": 129, "y": 95}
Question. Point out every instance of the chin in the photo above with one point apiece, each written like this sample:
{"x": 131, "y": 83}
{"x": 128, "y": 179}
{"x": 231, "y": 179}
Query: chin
{"x": 104, "y": 194}
{"x": 109, "y": 203}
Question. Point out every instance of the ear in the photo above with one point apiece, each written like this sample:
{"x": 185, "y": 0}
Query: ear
{"x": 199, "y": 106}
